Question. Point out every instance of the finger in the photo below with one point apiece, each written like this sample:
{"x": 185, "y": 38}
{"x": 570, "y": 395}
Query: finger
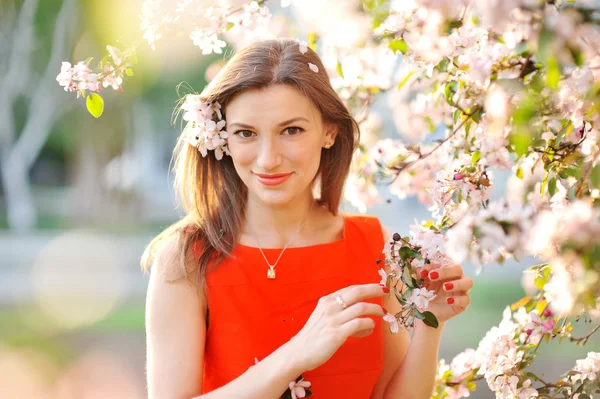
{"x": 356, "y": 326}
{"x": 363, "y": 333}
{"x": 361, "y": 309}
{"x": 428, "y": 268}
{"x": 358, "y": 293}
{"x": 451, "y": 272}
{"x": 460, "y": 285}
{"x": 460, "y": 302}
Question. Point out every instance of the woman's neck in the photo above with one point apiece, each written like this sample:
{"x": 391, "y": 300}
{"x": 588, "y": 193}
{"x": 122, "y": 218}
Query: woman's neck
{"x": 275, "y": 226}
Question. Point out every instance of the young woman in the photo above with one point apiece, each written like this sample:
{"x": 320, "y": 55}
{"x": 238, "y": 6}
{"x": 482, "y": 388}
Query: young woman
{"x": 264, "y": 280}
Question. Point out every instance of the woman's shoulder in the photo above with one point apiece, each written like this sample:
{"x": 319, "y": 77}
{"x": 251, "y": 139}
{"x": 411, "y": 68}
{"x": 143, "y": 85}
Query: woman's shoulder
{"x": 167, "y": 254}
{"x": 371, "y": 224}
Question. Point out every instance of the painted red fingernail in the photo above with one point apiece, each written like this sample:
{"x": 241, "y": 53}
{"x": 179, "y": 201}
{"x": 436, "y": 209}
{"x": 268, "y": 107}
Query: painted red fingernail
{"x": 424, "y": 273}
{"x": 385, "y": 289}
{"x": 434, "y": 275}
{"x": 450, "y": 301}
{"x": 448, "y": 286}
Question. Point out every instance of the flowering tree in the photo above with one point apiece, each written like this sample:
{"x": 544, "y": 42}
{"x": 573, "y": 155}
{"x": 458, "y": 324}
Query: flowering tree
{"x": 21, "y": 146}
{"x": 508, "y": 85}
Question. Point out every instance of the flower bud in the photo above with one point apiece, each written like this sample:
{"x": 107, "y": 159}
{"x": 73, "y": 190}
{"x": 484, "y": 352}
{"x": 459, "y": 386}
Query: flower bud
{"x": 396, "y": 237}
{"x": 459, "y": 176}
{"x": 528, "y": 332}
{"x": 547, "y": 312}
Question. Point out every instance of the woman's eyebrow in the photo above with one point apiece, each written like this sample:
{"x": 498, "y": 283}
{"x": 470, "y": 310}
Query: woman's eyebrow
{"x": 298, "y": 118}
{"x": 287, "y": 122}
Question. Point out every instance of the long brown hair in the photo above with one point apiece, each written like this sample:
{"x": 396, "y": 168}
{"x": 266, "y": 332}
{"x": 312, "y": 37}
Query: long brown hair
{"x": 210, "y": 190}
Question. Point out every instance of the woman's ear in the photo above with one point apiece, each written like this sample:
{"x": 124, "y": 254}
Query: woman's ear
{"x": 331, "y": 131}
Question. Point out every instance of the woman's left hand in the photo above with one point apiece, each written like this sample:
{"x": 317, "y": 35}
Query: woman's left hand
{"x": 451, "y": 288}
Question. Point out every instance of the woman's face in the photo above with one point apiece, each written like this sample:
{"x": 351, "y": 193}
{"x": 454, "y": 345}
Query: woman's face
{"x": 275, "y": 137}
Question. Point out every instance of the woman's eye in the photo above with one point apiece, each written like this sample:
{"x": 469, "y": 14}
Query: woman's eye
{"x": 245, "y": 134}
{"x": 293, "y": 130}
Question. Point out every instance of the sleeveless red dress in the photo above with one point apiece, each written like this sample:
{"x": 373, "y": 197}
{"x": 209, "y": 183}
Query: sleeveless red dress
{"x": 250, "y": 316}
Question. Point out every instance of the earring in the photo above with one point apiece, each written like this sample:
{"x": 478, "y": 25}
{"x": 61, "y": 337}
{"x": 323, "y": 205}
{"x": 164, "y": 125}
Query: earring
{"x": 328, "y": 145}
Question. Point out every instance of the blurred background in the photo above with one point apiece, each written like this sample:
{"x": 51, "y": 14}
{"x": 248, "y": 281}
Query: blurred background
{"x": 81, "y": 197}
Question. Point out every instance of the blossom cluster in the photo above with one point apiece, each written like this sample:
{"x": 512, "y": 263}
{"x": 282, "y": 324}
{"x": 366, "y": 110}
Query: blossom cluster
{"x": 81, "y": 78}
{"x": 491, "y": 234}
{"x": 506, "y": 351}
{"x": 402, "y": 260}
{"x": 205, "y": 25}
{"x": 205, "y": 129}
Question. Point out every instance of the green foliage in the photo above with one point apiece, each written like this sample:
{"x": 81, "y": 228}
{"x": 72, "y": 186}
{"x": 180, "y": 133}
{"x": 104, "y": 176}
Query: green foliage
{"x": 95, "y": 105}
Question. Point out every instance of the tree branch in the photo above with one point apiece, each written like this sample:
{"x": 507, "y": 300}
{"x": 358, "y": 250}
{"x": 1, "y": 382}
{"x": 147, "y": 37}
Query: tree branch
{"x": 44, "y": 112}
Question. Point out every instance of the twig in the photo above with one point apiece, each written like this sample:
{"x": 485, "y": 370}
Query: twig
{"x": 423, "y": 156}
{"x": 585, "y": 337}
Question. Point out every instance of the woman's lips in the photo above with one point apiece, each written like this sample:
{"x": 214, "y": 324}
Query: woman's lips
{"x": 274, "y": 179}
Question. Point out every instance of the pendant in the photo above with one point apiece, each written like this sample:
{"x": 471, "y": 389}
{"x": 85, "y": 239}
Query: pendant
{"x": 271, "y": 272}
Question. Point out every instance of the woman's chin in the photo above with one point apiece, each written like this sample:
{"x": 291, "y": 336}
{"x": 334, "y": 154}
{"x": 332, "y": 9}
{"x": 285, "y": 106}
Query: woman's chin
{"x": 276, "y": 197}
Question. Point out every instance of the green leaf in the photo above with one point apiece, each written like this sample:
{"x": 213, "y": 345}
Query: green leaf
{"x": 476, "y": 157}
{"x": 544, "y": 44}
{"x": 543, "y": 186}
{"x": 552, "y": 186}
{"x": 574, "y": 171}
{"x": 553, "y": 73}
{"x": 398, "y": 45}
{"x": 449, "y": 91}
{"x": 339, "y": 69}
{"x": 457, "y": 196}
{"x": 407, "y": 278}
{"x": 520, "y": 139}
{"x": 520, "y": 173}
{"x": 595, "y": 177}
{"x": 95, "y": 105}
{"x": 577, "y": 56}
{"x": 442, "y": 66}
{"x": 525, "y": 112}
{"x": 129, "y": 72}
{"x": 476, "y": 116}
{"x": 406, "y": 78}
{"x": 430, "y": 320}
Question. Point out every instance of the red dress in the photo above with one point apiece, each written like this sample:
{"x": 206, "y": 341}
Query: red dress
{"x": 250, "y": 316}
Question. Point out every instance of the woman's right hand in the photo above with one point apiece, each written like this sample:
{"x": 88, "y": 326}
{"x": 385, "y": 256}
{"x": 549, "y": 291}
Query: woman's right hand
{"x": 329, "y": 325}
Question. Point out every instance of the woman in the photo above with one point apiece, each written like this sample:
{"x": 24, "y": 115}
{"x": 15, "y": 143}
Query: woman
{"x": 263, "y": 280}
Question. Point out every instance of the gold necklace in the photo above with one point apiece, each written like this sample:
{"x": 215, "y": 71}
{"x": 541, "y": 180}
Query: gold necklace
{"x": 271, "y": 272}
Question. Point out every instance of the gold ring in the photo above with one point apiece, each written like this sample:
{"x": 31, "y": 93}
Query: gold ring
{"x": 341, "y": 302}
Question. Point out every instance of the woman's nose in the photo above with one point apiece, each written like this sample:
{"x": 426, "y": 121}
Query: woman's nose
{"x": 269, "y": 155}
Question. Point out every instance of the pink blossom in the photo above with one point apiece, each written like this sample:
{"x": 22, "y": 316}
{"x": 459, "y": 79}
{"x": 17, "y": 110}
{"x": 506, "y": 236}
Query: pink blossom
{"x": 394, "y": 325}
{"x": 589, "y": 368}
{"x": 538, "y": 326}
{"x": 421, "y": 297}
{"x": 298, "y": 389}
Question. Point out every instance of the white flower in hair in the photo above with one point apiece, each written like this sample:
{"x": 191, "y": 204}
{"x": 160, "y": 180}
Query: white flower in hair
{"x": 303, "y": 46}
{"x": 202, "y": 131}
{"x": 313, "y": 67}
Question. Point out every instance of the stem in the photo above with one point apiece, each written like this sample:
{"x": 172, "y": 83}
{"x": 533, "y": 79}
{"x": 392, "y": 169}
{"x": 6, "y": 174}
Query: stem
{"x": 402, "y": 168}
{"x": 585, "y": 338}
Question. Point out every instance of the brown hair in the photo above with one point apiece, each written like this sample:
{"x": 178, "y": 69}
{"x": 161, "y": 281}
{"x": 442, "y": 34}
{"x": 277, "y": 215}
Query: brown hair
{"x": 212, "y": 194}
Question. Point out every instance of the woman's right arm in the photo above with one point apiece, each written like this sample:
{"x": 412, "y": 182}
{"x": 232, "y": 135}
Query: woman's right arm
{"x": 175, "y": 338}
